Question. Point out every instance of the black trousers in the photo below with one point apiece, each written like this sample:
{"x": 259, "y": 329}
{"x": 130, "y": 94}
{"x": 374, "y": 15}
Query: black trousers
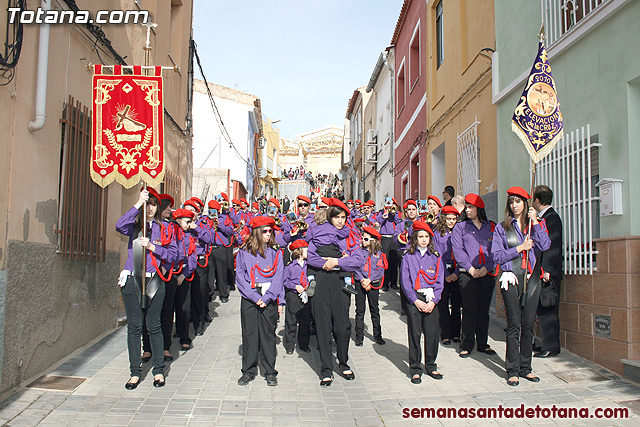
{"x": 476, "y": 300}
{"x": 166, "y": 316}
{"x": 211, "y": 277}
{"x": 258, "y": 337}
{"x": 520, "y": 321}
{"x": 297, "y": 321}
{"x": 220, "y": 256}
{"x": 372, "y": 297}
{"x": 135, "y": 318}
{"x": 182, "y": 307}
{"x": 403, "y": 299}
{"x": 419, "y": 323}
{"x": 231, "y": 269}
{"x": 199, "y": 296}
{"x": 549, "y": 323}
{"x": 330, "y": 308}
{"x": 450, "y": 321}
{"x": 390, "y": 249}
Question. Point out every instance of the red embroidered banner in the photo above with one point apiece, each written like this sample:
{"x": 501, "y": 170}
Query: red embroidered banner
{"x": 128, "y": 128}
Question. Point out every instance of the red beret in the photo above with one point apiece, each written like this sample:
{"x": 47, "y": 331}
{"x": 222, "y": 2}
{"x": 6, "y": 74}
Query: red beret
{"x": 332, "y": 201}
{"x": 213, "y": 204}
{"x": 275, "y": 202}
{"x": 449, "y": 210}
{"x": 326, "y": 200}
{"x": 183, "y": 213}
{"x": 349, "y": 201}
{"x": 394, "y": 201}
{"x": 518, "y": 191}
{"x": 198, "y": 201}
{"x": 474, "y": 200}
{"x": 435, "y": 199}
{"x": 359, "y": 220}
{"x": 224, "y": 196}
{"x": 371, "y": 203}
{"x": 421, "y": 225}
{"x": 300, "y": 243}
{"x": 261, "y": 221}
{"x": 244, "y": 201}
{"x": 193, "y": 204}
{"x": 358, "y": 202}
{"x": 256, "y": 205}
{"x": 167, "y": 197}
{"x": 372, "y": 231}
{"x": 153, "y": 193}
{"x": 409, "y": 202}
{"x": 236, "y": 201}
{"x": 304, "y": 199}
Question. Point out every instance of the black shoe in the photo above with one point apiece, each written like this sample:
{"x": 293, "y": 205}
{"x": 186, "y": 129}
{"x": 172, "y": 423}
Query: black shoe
{"x": 385, "y": 288}
{"x": 245, "y": 379}
{"x": 305, "y": 349}
{"x": 348, "y": 375}
{"x": 159, "y": 382}
{"x": 435, "y": 376}
{"x": 131, "y": 386}
{"x": 546, "y": 354}
{"x": 183, "y": 348}
{"x": 533, "y": 379}
{"x": 446, "y": 341}
{"x": 168, "y": 358}
{"x": 403, "y": 312}
{"x": 359, "y": 343}
{"x": 488, "y": 351}
{"x": 456, "y": 339}
{"x": 224, "y": 300}
{"x": 207, "y": 318}
{"x": 536, "y": 348}
{"x": 513, "y": 383}
{"x": 416, "y": 380}
{"x": 393, "y": 286}
{"x": 465, "y": 355}
{"x": 231, "y": 289}
{"x": 272, "y": 381}
{"x": 145, "y": 359}
{"x": 200, "y": 331}
{"x": 289, "y": 351}
{"x": 326, "y": 382}
{"x": 380, "y": 341}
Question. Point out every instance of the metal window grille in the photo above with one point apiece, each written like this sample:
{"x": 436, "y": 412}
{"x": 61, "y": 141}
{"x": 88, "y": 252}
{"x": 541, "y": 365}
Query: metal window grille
{"x": 83, "y": 203}
{"x": 172, "y": 184}
{"x": 571, "y": 171}
{"x": 560, "y": 16}
{"x": 468, "y": 160}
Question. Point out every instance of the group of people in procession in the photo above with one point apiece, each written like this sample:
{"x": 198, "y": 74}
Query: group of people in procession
{"x": 444, "y": 259}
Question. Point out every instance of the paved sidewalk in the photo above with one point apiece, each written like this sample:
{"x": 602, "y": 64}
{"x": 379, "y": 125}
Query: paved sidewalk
{"x": 201, "y": 385}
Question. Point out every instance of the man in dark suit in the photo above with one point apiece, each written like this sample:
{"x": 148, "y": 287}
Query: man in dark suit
{"x": 551, "y": 261}
{"x": 286, "y": 203}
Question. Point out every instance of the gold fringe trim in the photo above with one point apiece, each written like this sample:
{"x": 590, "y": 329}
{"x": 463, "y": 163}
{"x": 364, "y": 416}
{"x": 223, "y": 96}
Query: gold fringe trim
{"x": 535, "y": 156}
{"x": 128, "y": 182}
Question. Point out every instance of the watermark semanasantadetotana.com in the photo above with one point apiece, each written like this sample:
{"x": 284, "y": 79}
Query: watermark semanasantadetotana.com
{"x": 41, "y": 16}
{"x": 518, "y": 412}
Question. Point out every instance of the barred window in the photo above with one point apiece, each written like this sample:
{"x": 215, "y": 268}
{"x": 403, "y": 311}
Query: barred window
{"x": 468, "y": 163}
{"x": 83, "y": 204}
{"x": 171, "y": 186}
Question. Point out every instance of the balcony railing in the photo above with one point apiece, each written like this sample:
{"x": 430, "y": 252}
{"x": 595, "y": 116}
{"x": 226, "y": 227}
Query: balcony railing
{"x": 561, "y": 16}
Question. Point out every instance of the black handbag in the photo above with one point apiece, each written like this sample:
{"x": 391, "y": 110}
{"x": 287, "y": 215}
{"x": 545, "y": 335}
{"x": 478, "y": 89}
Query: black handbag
{"x": 549, "y": 294}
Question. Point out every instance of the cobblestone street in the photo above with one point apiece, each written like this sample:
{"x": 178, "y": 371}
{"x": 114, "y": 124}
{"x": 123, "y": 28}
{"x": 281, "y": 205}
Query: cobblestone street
{"x": 201, "y": 385}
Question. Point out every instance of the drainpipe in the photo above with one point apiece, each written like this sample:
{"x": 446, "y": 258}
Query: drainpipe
{"x": 43, "y": 62}
{"x": 393, "y": 119}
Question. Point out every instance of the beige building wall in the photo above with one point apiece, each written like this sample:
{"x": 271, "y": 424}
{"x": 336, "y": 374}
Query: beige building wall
{"x": 369, "y": 168}
{"x": 459, "y": 93}
{"x": 51, "y": 307}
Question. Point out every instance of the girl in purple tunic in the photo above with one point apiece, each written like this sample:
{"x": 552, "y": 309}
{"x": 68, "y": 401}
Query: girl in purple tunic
{"x": 259, "y": 278}
{"x": 158, "y": 252}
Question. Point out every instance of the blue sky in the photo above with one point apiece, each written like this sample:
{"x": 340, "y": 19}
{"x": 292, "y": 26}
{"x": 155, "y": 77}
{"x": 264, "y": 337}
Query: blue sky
{"x": 302, "y": 58}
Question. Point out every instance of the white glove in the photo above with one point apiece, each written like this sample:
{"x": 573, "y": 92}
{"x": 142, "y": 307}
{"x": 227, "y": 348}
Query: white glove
{"x": 429, "y": 295}
{"x": 508, "y": 278}
{"x": 304, "y": 297}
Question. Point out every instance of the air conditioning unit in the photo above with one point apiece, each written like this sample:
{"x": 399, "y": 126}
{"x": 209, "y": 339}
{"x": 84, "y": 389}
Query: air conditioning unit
{"x": 372, "y": 136}
{"x": 262, "y": 142}
{"x": 371, "y": 154}
{"x": 262, "y": 173}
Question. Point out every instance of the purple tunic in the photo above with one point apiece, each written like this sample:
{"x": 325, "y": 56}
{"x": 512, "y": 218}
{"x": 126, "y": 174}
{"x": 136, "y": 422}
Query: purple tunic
{"x": 223, "y": 232}
{"x": 389, "y": 224}
{"x": 400, "y": 228}
{"x": 412, "y": 266}
{"x": 373, "y": 267}
{"x": 188, "y": 261}
{"x": 295, "y": 274}
{"x": 472, "y": 247}
{"x": 165, "y": 254}
{"x": 503, "y": 254}
{"x": 443, "y": 246}
{"x": 327, "y": 234}
{"x": 248, "y": 268}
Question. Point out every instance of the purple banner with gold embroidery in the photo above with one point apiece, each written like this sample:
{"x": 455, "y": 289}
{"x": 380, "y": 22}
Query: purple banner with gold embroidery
{"x": 537, "y": 119}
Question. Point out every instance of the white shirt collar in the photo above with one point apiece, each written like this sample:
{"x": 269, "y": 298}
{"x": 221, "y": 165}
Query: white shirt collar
{"x": 543, "y": 211}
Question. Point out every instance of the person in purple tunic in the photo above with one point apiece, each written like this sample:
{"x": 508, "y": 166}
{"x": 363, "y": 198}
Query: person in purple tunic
{"x": 223, "y": 231}
{"x": 369, "y": 279}
{"x": 422, "y": 283}
{"x": 158, "y": 252}
{"x": 298, "y": 310}
{"x": 450, "y": 321}
{"x": 389, "y": 221}
{"x": 402, "y": 237}
{"x": 517, "y": 244}
{"x": 328, "y": 263}
{"x": 259, "y": 278}
{"x": 471, "y": 244}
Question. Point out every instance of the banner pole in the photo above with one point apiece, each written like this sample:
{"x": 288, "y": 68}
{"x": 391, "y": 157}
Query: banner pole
{"x": 523, "y": 298}
{"x": 143, "y": 303}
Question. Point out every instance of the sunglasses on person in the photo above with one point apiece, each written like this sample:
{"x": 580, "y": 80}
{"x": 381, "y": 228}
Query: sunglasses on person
{"x": 367, "y": 239}
{"x": 303, "y": 205}
{"x": 267, "y": 231}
